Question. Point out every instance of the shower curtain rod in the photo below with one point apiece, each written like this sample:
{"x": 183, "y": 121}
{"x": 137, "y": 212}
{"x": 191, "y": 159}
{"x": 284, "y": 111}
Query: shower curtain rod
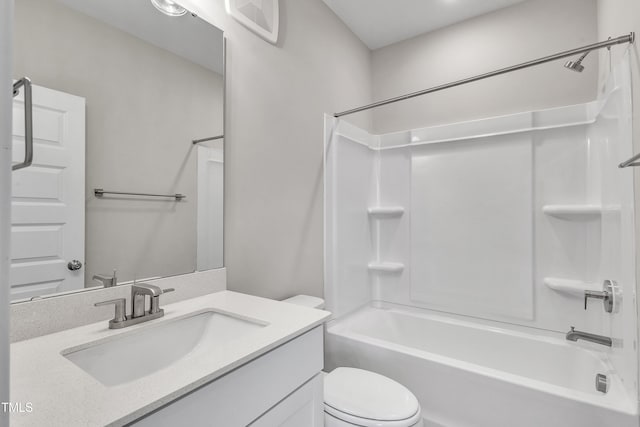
{"x": 630, "y": 38}
{"x": 213, "y": 138}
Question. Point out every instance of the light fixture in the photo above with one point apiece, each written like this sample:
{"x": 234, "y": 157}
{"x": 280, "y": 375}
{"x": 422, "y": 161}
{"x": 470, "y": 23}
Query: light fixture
{"x": 169, "y": 7}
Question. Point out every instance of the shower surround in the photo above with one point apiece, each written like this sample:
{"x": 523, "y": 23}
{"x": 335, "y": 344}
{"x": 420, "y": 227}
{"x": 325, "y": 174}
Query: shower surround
{"x": 470, "y": 247}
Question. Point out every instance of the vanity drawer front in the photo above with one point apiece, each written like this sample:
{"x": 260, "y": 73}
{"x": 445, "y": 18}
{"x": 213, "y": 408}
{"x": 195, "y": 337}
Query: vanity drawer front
{"x": 241, "y": 396}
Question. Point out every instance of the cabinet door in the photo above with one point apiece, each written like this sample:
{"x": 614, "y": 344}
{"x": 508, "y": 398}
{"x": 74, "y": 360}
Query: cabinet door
{"x": 241, "y": 396}
{"x": 303, "y": 407}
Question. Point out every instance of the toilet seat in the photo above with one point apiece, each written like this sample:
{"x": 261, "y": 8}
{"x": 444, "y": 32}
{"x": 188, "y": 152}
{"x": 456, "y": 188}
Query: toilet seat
{"x": 367, "y": 399}
{"x": 365, "y": 422}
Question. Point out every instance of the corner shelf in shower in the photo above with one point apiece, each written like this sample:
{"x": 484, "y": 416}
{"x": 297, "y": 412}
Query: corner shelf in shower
{"x": 586, "y": 211}
{"x": 570, "y": 286}
{"x": 386, "y": 267}
{"x": 386, "y": 211}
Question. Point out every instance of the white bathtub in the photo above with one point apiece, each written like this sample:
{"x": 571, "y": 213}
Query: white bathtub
{"x": 469, "y": 375}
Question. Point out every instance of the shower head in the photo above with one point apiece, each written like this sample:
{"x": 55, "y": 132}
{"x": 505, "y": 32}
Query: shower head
{"x": 577, "y": 65}
{"x": 574, "y": 66}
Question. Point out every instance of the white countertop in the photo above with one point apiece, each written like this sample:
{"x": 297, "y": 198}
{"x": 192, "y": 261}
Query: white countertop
{"x": 62, "y": 394}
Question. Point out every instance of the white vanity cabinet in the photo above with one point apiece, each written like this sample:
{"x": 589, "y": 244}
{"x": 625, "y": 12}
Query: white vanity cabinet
{"x": 267, "y": 375}
{"x": 283, "y": 387}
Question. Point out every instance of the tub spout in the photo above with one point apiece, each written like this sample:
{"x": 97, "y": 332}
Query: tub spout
{"x": 574, "y": 335}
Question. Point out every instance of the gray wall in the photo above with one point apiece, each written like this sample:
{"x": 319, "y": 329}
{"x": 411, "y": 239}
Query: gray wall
{"x": 276, "y": 97}
{"x": 499, "y": 39}
{"x": 144, "y": 106}
{"x": 277, "y": 94}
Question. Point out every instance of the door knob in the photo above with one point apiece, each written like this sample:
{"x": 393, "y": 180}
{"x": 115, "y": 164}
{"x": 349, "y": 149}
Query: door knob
{"x": 74, "y": 265}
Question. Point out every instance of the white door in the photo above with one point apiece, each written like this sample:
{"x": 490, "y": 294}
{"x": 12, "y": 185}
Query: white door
{"x": 210, "y": 245}
{"x": 47, "y": 198}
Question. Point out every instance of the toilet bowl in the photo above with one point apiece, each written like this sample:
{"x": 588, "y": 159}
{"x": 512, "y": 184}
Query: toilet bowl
{"x": 356, "y": 397}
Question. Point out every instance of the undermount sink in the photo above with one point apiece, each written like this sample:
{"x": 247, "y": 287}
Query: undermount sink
{"x": 130, "y": 356}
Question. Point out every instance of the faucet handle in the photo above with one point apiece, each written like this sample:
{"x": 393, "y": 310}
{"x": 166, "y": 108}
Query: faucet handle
{"x": 155, "y": 301}
{"x": 120, "y": 306}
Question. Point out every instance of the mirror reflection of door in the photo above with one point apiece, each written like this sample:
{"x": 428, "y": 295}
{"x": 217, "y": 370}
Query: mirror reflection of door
{"x": 150, "y": 84}
{"x": 47, "y": 199}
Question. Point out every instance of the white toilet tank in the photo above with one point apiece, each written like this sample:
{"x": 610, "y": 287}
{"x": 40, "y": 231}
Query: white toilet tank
{"x": 306, "y": 300}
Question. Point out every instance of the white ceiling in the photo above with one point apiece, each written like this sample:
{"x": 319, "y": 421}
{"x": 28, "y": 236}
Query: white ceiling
{"x": 379, "y": 23}
{"x": 182, "y": 35}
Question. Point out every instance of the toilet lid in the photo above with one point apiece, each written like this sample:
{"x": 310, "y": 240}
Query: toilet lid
{"x": 365, "y": 394}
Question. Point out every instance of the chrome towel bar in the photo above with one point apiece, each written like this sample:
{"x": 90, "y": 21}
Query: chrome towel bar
{"x": 213, "y": 138}
{"x": 28, "y": 122}
{"x": 99, "y": 192}
{"x": 631, "y": 162}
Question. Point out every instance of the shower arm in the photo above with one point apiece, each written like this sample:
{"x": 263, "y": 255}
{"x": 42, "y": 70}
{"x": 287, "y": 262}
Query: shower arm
{"x": 629, "y": 38}
{"x": 584, "y": 55}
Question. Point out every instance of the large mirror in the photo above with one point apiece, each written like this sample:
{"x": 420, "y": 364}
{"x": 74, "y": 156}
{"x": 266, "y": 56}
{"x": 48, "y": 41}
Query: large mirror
{"x": 121, "y": 90}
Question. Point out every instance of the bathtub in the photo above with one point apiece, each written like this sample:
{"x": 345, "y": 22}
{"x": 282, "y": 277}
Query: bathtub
{"x": 466, "y": 374}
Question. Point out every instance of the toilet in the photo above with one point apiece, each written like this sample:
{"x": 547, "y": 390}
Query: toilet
{"x": 356, "y": 397}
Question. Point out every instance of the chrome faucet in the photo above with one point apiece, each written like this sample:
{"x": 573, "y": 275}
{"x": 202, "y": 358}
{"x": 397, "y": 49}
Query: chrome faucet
{"x": 107, "y": 282}
{"x": 138, "y": 301}
{"x": 574, "y": 336}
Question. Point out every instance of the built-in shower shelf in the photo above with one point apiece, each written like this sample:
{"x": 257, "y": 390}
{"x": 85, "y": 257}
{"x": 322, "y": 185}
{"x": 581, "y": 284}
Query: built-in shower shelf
{"x": 578, "y": 211}
{"x": 386, "y": 211}
{"x": 570, "y": 286}
{"x": 386, "y": 267}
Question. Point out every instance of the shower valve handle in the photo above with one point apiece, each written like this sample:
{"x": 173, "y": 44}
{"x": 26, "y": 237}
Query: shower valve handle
{"x": 603, "y": 295}
{"x": 606, "y": 295}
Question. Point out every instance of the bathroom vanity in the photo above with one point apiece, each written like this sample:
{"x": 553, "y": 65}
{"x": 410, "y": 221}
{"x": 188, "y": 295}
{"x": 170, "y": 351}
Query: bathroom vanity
{"x": 138, "y": 224}
{"x": 223, "y": 359}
